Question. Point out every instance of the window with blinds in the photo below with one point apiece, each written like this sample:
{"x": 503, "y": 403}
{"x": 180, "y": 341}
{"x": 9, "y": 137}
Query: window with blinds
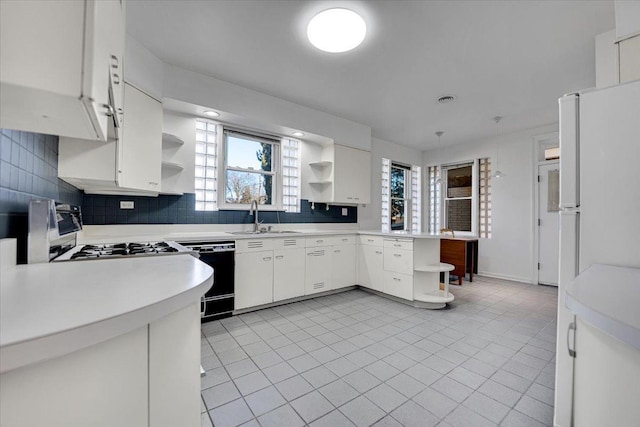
{"x": 206, "y": 185}
{"x": 290, "y": 175}
{"x": 484, "y": 197}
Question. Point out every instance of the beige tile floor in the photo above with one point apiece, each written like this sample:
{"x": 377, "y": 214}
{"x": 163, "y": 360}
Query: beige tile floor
{"x": 360, "y": 359}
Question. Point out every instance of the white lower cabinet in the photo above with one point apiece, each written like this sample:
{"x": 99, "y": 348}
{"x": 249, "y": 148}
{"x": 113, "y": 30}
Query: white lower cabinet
{"x": 288, "y": 273}
{"x": 398, "y": 284}
{"x": 254, "y": 279}
{"x": 370, "y": 261}
{"x": 149, "y": 376}
{"x": 606, "y": 379}
{"x": 344, "y": 266}
{"x": 318, "y": 269}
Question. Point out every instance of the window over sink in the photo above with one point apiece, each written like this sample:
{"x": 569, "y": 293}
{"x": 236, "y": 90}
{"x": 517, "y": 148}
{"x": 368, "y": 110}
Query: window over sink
{"x": 235, "y": 167}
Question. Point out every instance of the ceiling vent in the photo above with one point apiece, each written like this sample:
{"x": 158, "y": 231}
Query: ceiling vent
{"x": 446, "y": 99}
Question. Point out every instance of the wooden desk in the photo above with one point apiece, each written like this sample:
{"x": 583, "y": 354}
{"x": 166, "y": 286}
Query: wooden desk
{"x": 462, "y": 252}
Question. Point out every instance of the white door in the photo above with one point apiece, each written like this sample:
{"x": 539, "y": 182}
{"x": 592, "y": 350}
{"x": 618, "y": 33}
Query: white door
{"x": 548, "y": 222}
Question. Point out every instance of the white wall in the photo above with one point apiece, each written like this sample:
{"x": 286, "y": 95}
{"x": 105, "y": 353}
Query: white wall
{"x": 369, "y": 215}
{"x": 509, "y": 253}
{"x": 161, "y": 80}
{"x": 627, "y": 18}
{"x": 143, "y": 69}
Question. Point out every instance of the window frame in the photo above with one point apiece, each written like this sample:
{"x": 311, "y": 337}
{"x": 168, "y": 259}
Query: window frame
{"x": 408, "y": 208}
{"x": 276, "y": 169}
{"x": 443, "y": 196}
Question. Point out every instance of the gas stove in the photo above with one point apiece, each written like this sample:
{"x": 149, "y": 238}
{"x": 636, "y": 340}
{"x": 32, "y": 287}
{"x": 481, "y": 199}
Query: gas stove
{"x": 117, "y": 250}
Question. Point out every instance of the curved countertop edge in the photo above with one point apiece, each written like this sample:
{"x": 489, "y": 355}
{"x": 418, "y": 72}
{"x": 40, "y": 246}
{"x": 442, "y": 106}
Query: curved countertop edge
{"x": 601, "y": 306}
{"x": 39, "y": 349}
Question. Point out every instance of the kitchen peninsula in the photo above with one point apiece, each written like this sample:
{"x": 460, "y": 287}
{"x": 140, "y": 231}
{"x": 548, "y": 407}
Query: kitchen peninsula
{"x": 92, "y": 342}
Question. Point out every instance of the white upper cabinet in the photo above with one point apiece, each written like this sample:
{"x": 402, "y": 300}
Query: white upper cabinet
{"x": 61, "y": 69}
{"x": 341, "y": 175}
{"x": 352, "y": 175}
{"x": 141, "y": 147}
{"x": 130, "y": 165}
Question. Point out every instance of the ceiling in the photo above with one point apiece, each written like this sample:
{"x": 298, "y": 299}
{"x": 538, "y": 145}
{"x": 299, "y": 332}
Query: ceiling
{"x": 507, "y": 58}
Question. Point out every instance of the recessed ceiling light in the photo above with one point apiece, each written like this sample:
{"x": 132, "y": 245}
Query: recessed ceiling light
{"x": 211, "y": 113}
{"x": 298, "y": 134}
{"x": 336, "y": 30}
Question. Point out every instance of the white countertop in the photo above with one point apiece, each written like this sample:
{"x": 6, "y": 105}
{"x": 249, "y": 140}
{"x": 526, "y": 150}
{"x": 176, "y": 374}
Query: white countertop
{"x": 47, "y": 310}
{"x": 608, "y": 297}
{"x": 207, "y": 235}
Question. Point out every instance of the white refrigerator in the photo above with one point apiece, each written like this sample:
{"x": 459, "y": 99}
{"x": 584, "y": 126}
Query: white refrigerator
{"x": 599, "y": 202}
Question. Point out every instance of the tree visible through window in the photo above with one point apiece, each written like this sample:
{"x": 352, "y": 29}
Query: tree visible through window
{"x": 399, "y": 196}
{"x": 250, "y": 169}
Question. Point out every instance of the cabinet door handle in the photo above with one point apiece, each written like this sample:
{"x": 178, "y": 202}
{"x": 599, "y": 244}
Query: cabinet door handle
{"x": 379, "y": 252}
{"x": 397, "y": 255}
{"x": 279, "y": 256}
{"x": 345, "y": 240}
{"x": 396, "y": 279}
{"x": 319, "y": 241}
{"x": 349, "y": 198}
{"x": 369, "y": 240}
{"x": 397, "y": 245}
{"x": 267, "y": 258}
{"x": 114, "y": 61}
{"x": 572, "y": 327}
{"x": 337, "y": 251}
{"x": 153, "y": 183}
{"x": 116, "y": 79}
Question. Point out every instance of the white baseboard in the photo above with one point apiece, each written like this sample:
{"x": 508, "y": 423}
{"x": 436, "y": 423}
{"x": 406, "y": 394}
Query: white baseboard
{"x": 527, "y": 280}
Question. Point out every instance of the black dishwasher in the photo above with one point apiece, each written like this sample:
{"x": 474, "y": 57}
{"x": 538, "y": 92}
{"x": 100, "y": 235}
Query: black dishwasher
{"x": 217, "y": 303}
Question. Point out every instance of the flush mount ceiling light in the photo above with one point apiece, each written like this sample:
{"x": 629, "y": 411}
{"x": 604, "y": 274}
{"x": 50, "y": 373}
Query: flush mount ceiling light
{"x": 336, "y": 30}
{"x": 211, "y": 113}
{"x": 298, "y": 134}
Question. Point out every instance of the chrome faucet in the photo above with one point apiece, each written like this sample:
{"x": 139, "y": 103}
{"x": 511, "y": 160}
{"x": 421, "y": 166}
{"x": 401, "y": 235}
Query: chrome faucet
{"x": 256, "y": 223}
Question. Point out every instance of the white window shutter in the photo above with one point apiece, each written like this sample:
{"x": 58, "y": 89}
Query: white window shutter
{"x": 416, "y": 201}
{"x": 290, "y": 149}
{"x": 206, "y": 175}
{"x": 385, "y": 214}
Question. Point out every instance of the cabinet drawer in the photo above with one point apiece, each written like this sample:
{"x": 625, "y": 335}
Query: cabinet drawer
{"x": 399, "y": 285}
{"x": 398, "y": 260}
{"x": 289, "y": 243}
{"x": 407, "y": 245}
{"x": 343, "y": 240}
{"x": 319, "y": 241}
{"x": 370, "y": 240}
{"x": 254, "y": 245}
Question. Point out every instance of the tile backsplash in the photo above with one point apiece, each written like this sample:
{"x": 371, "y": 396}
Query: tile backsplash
{"x": 102, "y": 210}
{"x": 28, "y": 170}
